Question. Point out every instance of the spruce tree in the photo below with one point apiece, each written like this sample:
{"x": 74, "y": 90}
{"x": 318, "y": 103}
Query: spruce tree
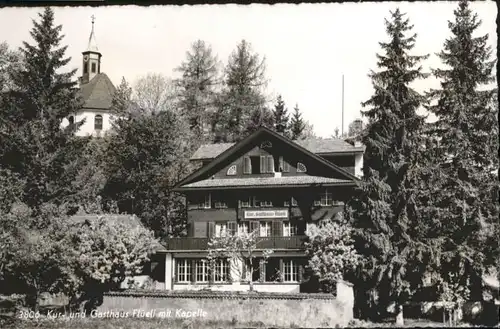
{"x": 38, "y": 149}
{"x": 260, "y": 118}
{"x": 281, "y": 119}
{"x": 465, "y": 147}
{"x": 384, "y": 211}
{"x": 243, "y": 92}
{"x": 297, "y": 124}
{"x": 198, "y": 86}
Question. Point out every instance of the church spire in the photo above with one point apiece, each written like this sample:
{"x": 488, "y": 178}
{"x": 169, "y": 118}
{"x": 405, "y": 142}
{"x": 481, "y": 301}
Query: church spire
{"x": 92, "y": 46}
{"x": 91, "y": 58}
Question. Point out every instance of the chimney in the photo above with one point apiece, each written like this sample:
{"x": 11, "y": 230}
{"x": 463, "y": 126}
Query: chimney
{"x": 277, "y": 175}
{"x": 357, "y": 144}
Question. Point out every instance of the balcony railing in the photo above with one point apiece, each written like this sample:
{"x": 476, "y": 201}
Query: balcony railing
{"x": 275, "y": 242}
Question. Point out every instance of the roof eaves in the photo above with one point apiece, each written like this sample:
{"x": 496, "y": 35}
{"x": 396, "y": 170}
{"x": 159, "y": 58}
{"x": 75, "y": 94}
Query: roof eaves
{"x": 179, "y": 189}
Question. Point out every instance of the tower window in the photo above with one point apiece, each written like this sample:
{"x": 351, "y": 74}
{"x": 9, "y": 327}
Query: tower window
{"x": 94, "y": 68}
{"x": 85, "y": 68}
{"x": 98, "y": 122}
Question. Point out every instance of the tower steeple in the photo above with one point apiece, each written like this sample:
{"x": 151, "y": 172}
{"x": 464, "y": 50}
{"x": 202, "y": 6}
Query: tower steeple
{"x": 91, "y": 58}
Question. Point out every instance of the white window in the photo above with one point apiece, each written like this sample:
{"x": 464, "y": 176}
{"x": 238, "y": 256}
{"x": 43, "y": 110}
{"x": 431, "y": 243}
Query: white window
{"x": 231, "y": 171}
{"x": 202, "y": 271}
{"x": 243, "y": 228}
{"x": 290, "y": 271}
{"x": 221, "y": 229}
{"x": 221, "y": 270}
{"x": 207, "y": 203}
{"x": 247, "y": 165}
{"x": 265, "y": 228}
{"x": 287, "y": 202}
{"x": 325, "y": 199}
{"x": 309, "y": 227}
{"x": 246, "y": 203}
{"x": 266, "y": 203}
{"x": 289, "y": 229}
{"x": 301, "y": 167}
{"x": 220, "y": 204}
{"x": 183, "y": 270}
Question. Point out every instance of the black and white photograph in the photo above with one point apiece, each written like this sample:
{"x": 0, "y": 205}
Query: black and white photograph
{"x": 285, "y": 165}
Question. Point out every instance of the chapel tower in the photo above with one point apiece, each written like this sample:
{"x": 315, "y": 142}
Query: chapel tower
{"x": 91, "y": 58}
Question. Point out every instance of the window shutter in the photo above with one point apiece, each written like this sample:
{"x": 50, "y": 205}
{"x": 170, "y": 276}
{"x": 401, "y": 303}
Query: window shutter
{"x": 232, "y": 227}
{"x": 280, "y": 278}
{"x": 262, "y": 164}
{"x": 277, "y": 228}
{"x": 200, "y": 230}
{"x": 270, "y": 163}
{"x": 193, "y": 269}
{"x": 262, "y": 270}
{"x": 244, "y": 273}
{"x": 211, "y": 229}
{"x": 286, "y": 166}
{"x": 247, "y": 165}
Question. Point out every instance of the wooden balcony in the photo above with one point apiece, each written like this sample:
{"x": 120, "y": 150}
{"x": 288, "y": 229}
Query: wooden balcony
{"x": 275, "y": 242}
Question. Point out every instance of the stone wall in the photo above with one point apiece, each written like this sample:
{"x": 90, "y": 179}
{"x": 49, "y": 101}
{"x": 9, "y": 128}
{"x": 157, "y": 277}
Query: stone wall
{"x": 269, "y": 309}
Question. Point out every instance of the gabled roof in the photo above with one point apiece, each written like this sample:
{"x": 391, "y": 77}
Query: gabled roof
{"x": 98, "y": 92}
{"x": 314, "y": 145}
{"x": 248, "y": 140}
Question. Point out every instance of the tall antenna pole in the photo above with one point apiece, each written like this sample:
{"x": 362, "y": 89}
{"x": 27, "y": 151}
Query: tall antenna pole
{"x": 342, "y": 105}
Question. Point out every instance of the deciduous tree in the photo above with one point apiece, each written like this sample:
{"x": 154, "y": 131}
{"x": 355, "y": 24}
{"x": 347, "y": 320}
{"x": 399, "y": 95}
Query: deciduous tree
{"x": 241, "y": 250}
{"x": 146, "y": 157}
{"x": 331, "y": 251}
{"x": 198, "y": 86}
{"x": 155, "y": 92}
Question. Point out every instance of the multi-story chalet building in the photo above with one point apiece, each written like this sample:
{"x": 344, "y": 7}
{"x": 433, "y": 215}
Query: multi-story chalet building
{"x": 268, "y": 183}
{"x": 96, "y": 90}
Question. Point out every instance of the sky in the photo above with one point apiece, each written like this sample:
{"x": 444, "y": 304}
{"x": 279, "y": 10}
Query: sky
{"x": 307, "y": 47}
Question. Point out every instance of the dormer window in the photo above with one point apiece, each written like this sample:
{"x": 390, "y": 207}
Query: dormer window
{"x": 71, "y": 120}
{"x": 231, "y": 171}
{"x": 301, "y": 167}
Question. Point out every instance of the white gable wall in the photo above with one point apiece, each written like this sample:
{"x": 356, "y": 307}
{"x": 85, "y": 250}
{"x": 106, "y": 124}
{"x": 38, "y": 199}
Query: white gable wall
{"x": 87, "y": 128}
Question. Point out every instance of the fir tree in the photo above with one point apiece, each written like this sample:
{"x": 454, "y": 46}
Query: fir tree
{"x": 465, "y": 147}
{"x": 37, "y": 148}
{"x": 260, "y": 118}
{"x": 297, "y": 124}
{"x": 281, "y": 119}
{"x": 242, "y": 94}
{"x": 198, "y": 86}
{"x": 385, "y": 212}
